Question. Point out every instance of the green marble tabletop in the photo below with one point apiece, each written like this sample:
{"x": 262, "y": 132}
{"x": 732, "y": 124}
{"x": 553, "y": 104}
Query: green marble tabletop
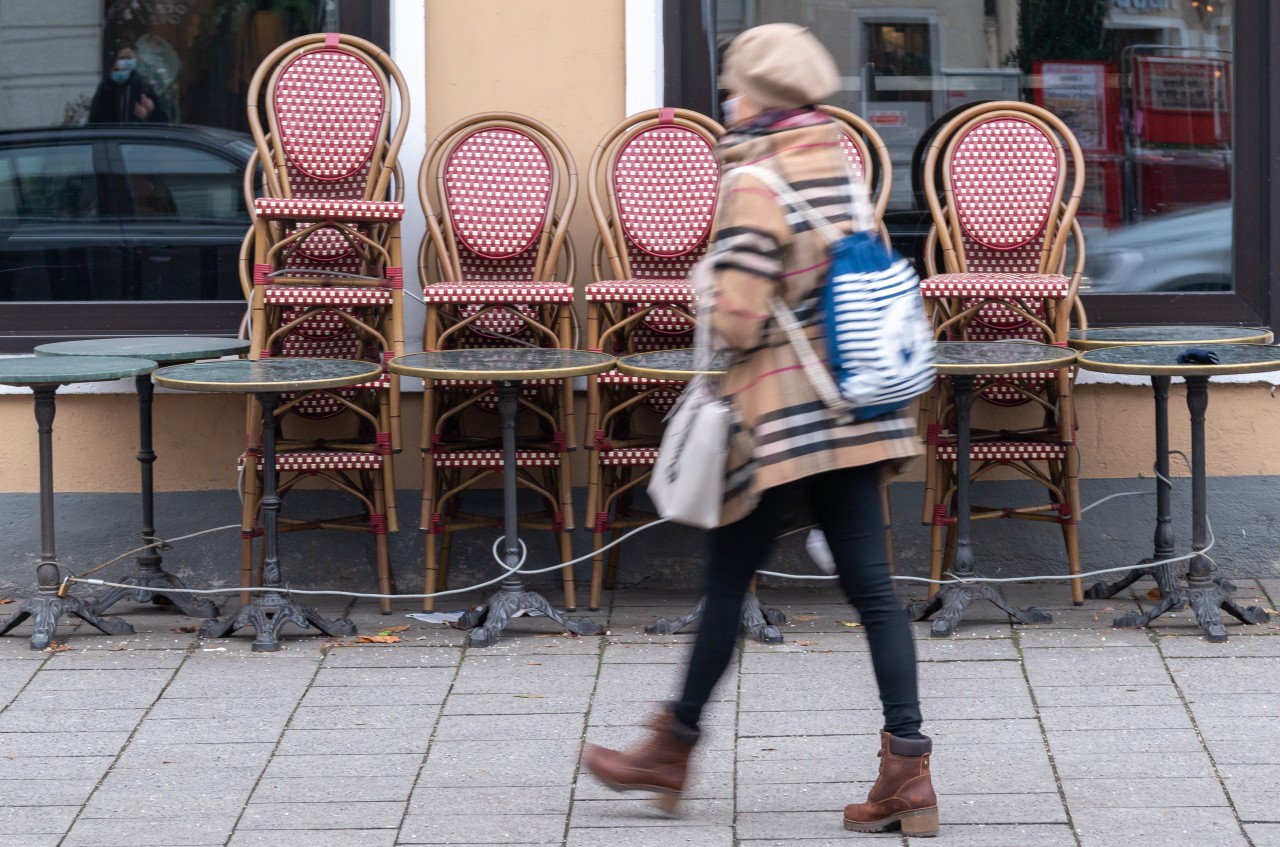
{"x": 64, "y": 370}
{"x": 677, "y": 365}
{"x": 267, "y": 375}
{"x": 1162, "y": 360}
{"x": 994, "y": 357}
{"x": 502, "y": 363}
{"x": 165, "y": 348}
{"x": 1117, "y": 336}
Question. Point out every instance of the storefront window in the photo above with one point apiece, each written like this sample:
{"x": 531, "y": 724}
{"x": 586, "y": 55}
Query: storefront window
{"x": 1145, "y": 85}
{"x": 123, "y": 144}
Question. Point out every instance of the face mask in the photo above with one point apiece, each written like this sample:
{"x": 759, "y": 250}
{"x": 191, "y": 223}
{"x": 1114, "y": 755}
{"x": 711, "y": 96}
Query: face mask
{"x": 730, "y": 110}
{"x": 120, "y": 77}
{"x": 126, "y": 64}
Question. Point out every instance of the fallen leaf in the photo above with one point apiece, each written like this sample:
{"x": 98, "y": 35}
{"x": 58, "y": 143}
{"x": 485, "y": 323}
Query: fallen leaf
{"x": 1154, "y": 594}
{"x": 58, "y": 647}
{"x": 804, "y": 643}
{"x": 392, "y": 629}
{"x": 807, "y": 617}
{"x": 185, "y": 628}
{"x": 530, "y": 696}
{"x": 1268, "y": 610}
{"x": 849, "y": 623}
{"x": 377, "y": 639}
{"x": 4, "y": 601}
{"x": 533, "y": 663}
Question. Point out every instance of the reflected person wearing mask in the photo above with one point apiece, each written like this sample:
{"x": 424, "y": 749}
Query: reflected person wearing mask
{"x": 124, "y": 96}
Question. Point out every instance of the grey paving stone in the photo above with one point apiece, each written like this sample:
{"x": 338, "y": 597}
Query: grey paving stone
{"x": 37, "y": 820}
{"x": 162, "y": 802}
{"x": 703, "y": 784}
{"x": 839, "y": 841}
{"x": 365, "y": 677}
{"x": 956, "y": 733}
{"x": 1233, "y": 705}
{"x": 336, "y": 741}
{"x": 46, "y": 792}
{"x": 100, "y": 680}
{"x": 809, "y": 724}
{"x": 529, "y": 800}
{"x": 514, "y": 675}
{"x": 509, "y": 727}
{"x": 314, "y": 838}
{"x": 1095, "y": 637}
{"x": 1214, "y": 727}
{"x": 82, "y": 720}
{"x": 63, "y": 744}
{"x": 1113, "y": 695}
{"x": 691, "y": 835}
{"x": 647, "y": 654}
{"x": 116, "y": 659}
{"x": 76, "y": 699}
{"x": 951, "y": 671}
{"x": 806, "y": 662}
{"x": 532, "y": 702}
{"x": 404, "y": 655}
{"x": 431, "y": 693}
{"x": 52, "y": 767}
{"x": 636, "y": 810}
{"x": 482, "y": 829}
{"x": 473, "y": 763}
{"x": 1100, "y": 763}
{"x": 210, "y": 731}
{"x": 359, "y": 717}
{"x": 188, "y": 831}
{"x": 932, "y": 686}
{"x": 1133, "y": 792}
{"x": 806, "y": 771}
{"x": 1013, "y": 808}
{"x": 390, "y": 766}
{"x": 25, "y": 839}
{"x": 781, "y": 748}
{"x": 997, "y": 769}
{"x": 1243, "y": 675}
{"x": 1094, "y": 667}
{"x": 1241, "y": 752}
{"x": 634, "y": 711}
{"x": 163, "y": 757}
{"x": 966, "y": 649}
{"x": 1203, "y": 825}
{"x": 1000, "y": 835}
{"x": 1253, "y": 791}
{"x": 370, "y": 815}
{"x": 332, "y": 789}
{"x": 781, "y": 825}
{"x": 1111, "y": 741}
{"x": 1247, "y": 643}
{"x": 1013, "y": 705}
{"x": 803, "y": 796}
{"x": 1263, "y": 834}
{"x": 1115, "y": 717}
{"x": 224, "y": 709}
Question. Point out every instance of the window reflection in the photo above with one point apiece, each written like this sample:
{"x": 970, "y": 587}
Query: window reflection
{"x": 1145, "y": 85}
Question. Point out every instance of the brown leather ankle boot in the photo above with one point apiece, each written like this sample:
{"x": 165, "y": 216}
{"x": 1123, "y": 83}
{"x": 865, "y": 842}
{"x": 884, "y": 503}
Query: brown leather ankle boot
{"x": 903, "y": 793}
{"x": 660, "y": 763}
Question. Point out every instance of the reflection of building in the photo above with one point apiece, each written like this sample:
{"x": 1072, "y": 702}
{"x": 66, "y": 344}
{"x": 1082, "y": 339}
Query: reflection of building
{"x": 48, "y": 63}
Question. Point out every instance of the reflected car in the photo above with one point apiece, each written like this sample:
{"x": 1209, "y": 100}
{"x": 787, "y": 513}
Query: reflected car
{"x": 134, "y": 212}
{"x": 1182, "y": 251}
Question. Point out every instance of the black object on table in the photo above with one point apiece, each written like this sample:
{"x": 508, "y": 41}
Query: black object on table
{"x": 507, "y": 368}
{"x": 43, "y": 375}
{"x": 1206, "y": 597}
{"x": 758, "y": 621}
{"x": 1178, "y": 337}
{"x": 267, "y": 379}
{"x": 963, "y": 361}
{"x": 152, "y": 583}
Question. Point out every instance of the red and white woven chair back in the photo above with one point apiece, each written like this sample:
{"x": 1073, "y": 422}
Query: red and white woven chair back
{"x": 664, "y": 180}
{"x": 854, "y": 156}
{"x": 320, "y": 335}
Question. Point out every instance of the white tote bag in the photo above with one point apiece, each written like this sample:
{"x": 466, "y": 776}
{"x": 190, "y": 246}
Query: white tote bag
{"x": 687, "y": 483}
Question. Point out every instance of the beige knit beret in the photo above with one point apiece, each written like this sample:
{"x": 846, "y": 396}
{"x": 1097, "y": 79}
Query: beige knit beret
{"x": 780, "y": 66}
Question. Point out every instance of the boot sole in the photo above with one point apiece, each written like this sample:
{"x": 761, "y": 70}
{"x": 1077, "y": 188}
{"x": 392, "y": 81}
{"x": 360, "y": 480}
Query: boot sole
{"x": 667, "y": 800}
{"x": 922, "y": 823}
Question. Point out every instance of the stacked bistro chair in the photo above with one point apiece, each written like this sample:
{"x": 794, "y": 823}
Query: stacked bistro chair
{"x": 497, "y": 263}
{"x": 327, "y": 276}
{"x": 652, "y": 188}
{"x": 1011, "y": 177}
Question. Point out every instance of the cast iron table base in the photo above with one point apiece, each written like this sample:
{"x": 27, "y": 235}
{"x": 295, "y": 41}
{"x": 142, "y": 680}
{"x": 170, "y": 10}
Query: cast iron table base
{"x": 954, "y": 598}
{"x": 758, "y": 621}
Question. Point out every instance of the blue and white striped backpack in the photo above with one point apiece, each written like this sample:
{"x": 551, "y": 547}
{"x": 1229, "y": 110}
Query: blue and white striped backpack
{"x": 881, "y": 348}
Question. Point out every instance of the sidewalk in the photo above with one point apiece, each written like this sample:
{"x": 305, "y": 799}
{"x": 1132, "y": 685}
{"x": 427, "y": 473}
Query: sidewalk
{"x": 1069, "y": 733}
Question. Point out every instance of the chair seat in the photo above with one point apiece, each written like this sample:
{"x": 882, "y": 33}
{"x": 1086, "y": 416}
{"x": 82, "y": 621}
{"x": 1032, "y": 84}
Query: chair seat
{"x": 327, "y": 295}
{"x": 498, "y": 293}
{"x": 320, "y": 460}
{"x": 617, "y": 377}
{"x": 1038, "y": 286}
{"x": 321, "y": 209}
{"x": 628, "y": 456}
{"x": 493, "y": 459}
{"x": 641, "y": 291}
{"x": 1012, "y": 451}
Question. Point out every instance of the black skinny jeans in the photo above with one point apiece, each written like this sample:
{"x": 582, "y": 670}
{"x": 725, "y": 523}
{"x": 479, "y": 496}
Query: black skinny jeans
{"x": 847, "y": 506}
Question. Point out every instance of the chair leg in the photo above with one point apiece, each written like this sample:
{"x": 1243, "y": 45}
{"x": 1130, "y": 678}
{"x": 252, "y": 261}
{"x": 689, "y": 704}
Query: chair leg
{"x": 1071, "y": 537}
{"x": 446, "y": 549}
{"x": 597, "y": 567}
{"x": 936, "y": 532}
{"x": 430, "y": 574}
{"x": 380, "y": 542}
{"x": 566, "y": 573}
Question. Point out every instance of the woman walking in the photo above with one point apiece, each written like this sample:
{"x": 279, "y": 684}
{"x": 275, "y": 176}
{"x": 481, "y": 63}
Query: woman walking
{"x": 791, "y": 459}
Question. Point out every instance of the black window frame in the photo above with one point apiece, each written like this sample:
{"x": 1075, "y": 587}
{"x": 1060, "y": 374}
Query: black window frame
{"x": 24, "y": 325}
{"x": 689, "y": 81}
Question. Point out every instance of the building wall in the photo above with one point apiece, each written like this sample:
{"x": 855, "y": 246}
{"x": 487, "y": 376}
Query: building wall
{"x": 48, "y": 68}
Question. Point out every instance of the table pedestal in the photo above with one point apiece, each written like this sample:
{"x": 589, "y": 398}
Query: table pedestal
{"x": 758, "y": 621}
{"x": 152, "y": 584}
{"x": 487, "y": 622}
{"x": 1206, "y": 598}
{"x": 271, "y": 610}
{"x": 953, "y": 598}
{"x": 48, "y": 607}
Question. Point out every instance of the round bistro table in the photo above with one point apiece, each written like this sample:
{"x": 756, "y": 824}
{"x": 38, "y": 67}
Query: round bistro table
{"x": 679, "y": 365}
{"x": 964, "y": 361}
{"x": 507, "y": 368}
{"x": 43, "y": 375}
{"x": 267, "y": 379}
{"x": 1206, "y": 597}
{"x": 1182, "y": 336}
{"x": 152, "y": 583}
